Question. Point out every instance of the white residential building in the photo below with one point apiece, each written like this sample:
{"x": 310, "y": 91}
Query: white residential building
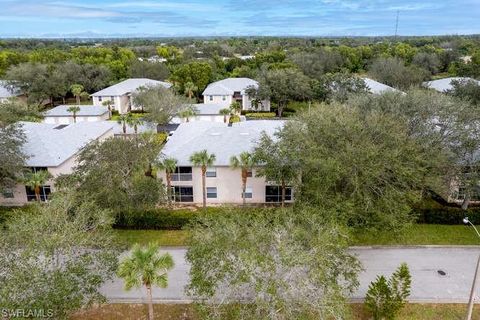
{"x": 445, "y": 84}
{"x": 120, "y": 93}
{"x": 53, "y": 148}
{"x": 226, "y": 91}
{"x": 223, "y": 183}
{"x": 206, "y": 112}
{"x": 87, "y": 113}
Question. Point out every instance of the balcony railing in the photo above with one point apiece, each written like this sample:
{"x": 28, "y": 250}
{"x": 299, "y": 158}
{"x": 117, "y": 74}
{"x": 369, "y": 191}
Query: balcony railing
{"x": 182, "y": 177}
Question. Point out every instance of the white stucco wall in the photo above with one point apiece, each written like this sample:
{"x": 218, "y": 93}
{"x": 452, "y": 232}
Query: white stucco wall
{"x": 228, "y": 183}
{"x": 69, "y": 119}
{"x": 218, "y": 100}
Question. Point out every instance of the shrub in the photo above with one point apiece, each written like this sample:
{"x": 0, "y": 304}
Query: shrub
{"x": 260, "y": 115}
{"x": 158, "y": 218}
{"x": 384, "y": 298}
{"x": 433, "y": 212}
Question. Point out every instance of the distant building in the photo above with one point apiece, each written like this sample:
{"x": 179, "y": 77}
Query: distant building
{"x": 226, "y": 91}
{"x": 223, "y": 183}
{"x": 87, "y": 113}
{"x": 445, "y": 84}
{"x": 5, "y": 92}
{"x": 120, "y": 93}
{"x": 53, "y": 148}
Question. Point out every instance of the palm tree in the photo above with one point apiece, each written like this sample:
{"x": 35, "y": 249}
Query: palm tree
{"x": 170, "y": 165}
{"x": 203, "y": 159}
{"x": 225, "y": 112}
{"x": 236, "y": 107}
{"x": 74, "y": 110}
{"x": 124, "y": 119}
{"x": 77, "y": 91}
{"x": 108, "y": 104}
{"x": 188, "y": 113}
{"x": 146, "y": 266}
{"x": 134, "y": 122}
{"x": 36, "y": 180}
{"x": 245, "y": 161}
{"x": 190, "y": 89}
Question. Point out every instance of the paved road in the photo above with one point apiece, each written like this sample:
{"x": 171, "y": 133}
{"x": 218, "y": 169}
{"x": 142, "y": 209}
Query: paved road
{"x": 424, "y": 262}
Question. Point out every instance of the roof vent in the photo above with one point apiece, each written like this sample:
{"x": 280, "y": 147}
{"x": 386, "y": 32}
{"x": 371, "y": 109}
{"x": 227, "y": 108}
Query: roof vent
{"x": 60, "y": 127}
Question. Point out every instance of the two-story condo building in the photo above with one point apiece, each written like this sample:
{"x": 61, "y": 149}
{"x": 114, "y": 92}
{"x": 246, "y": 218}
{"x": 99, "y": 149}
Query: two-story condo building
{"x": 226, "y": 91}
{"x": 54, "y": 148}
{"x": 61, "y": 115}
{"x": 120, "y": 94}
{"x": 223, "y": 183}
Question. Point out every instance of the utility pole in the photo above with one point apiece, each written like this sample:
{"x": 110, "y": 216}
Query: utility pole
{"x": 396, "y": 26}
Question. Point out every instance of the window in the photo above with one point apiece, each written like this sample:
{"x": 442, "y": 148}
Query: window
{"x": 224, "y": 98}
{"x": 211, "y": 172}
{"x": 112, "y": 98}
{"x": 100, "y": 99}
{"x": 37, "y": 169}
{"x": 274, "y": 194}
{"x": 182, "y": 174}
{"x": 248, "y": 193}
{"x": 8, "y": 193}
{"x": 210, "y": 98}
{"x": 44, "y": 193}
{"x": 182, "y": 194}
{"x": 212, "y": 192}
{"x": 474, "y": 195}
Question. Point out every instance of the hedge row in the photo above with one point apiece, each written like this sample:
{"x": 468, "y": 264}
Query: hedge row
{"x": 158, "y": 218}
{"x": 261, "y": 115}
{"x": 435, "y": 213}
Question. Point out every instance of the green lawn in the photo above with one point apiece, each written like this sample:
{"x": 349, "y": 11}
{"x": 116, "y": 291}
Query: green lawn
{"x": 162, "y": 237}
{"x": 418, "y": 234}
{"x": 187, "y": 312}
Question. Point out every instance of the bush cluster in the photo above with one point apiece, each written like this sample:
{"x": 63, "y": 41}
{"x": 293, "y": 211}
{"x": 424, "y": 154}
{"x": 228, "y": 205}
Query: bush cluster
{"x": 432, "y": 212}
{"x": 160, "y": 218}
{"x": 260, "y": 115}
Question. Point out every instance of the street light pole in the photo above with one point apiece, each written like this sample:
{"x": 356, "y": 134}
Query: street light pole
{"x": 474, "y": 284}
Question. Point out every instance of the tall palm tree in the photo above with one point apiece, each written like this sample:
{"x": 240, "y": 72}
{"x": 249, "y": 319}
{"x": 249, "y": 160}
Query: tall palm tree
{"x": 74, "y": 110}
{"x": 36, "y": 180}
{"x": 134, "y": 122}
{"x": 146, "y": 266}
{"x": 124, "y": 119}
{"x": 204, "y": 160}
{"x": 77, "y": 91}
{"x": 245, "y": 161}
{"x": 170, "y": 165}
{"x": 225, "y": 112}
{"x": 189, "y": 89}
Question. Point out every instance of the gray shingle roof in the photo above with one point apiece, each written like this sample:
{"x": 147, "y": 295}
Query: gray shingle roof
{"x": 128, "y": 86}
{"x": 217, "y": 138}
{"x": 443, "y": 85}
{"x": 85, "y": 110}
{"x": 376, "y": 87}
{"x": 50, "y": 147}
{"x": 4, "y": 92}
{"x": 229, "y": 86}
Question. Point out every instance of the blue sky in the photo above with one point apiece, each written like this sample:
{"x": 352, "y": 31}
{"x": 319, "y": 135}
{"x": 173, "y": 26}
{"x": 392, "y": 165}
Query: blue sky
{"x": 29, "y": 18}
